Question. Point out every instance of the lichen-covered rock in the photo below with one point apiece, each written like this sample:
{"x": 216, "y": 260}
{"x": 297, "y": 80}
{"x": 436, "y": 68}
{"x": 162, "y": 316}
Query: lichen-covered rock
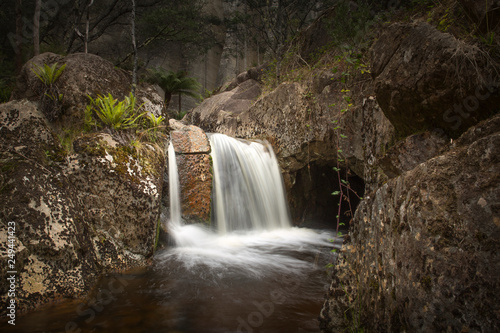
{"x": 121, "y": 186}
{"x": 188, "y": 139}
{"x": 429, "y": 80}
{"x": 424, "y": 248}
{"x": 75, "y": 216}
{"x": 54, "y": 256}
{"x": 195, "y": 179}
{"x": 194, "y": 165}
{"x": 85, "y": 75}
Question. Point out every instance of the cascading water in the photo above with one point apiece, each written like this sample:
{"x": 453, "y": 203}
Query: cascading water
{"x": 256, "y": 273}
{"x": 174, "y": 189}
{"x": 248, "y": 190}
{"x": 253, "y": 230}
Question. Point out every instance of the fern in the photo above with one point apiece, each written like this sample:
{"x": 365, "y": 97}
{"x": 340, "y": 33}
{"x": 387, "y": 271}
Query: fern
{"x": 50, "y": 98}
{"x": 113, "y": 114}
{"x": 48, "y": 74}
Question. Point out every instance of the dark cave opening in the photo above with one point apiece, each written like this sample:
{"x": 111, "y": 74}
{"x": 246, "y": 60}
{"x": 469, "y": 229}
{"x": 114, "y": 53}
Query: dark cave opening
{"x": 311, "y": 199}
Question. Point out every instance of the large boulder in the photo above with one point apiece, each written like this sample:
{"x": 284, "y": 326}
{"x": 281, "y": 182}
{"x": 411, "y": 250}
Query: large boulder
{"x": 54, "y": 255}
{"x": 85, "y": 75}
{"x": 429, "y": 80}
{"x": 120, "y": 184}
{"x": 423, "y": 253}
{"x": 76, "y": 215}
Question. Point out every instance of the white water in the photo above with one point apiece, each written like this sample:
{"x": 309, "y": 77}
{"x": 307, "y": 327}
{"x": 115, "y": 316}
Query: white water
{"x": 248, "y": 189}
{"x": 253, "y": 227}
{"x": 174, "y": 189}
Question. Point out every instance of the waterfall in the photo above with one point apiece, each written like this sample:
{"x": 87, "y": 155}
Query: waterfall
{"x": 251, "y": 234}
{"x": 174, "y": 188}
{"x": 248, "y": 188}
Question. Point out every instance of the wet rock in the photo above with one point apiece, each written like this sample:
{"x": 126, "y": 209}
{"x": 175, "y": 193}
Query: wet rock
{"x": 188, "y": 139}
{"x": 194, "y": 165}
{"x": 195, "y": 179}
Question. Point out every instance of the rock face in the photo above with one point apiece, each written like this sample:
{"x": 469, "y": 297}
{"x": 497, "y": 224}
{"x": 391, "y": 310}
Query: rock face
{"x": 76, "y": 215}
{"x": 423, "y": 254}
{"x": 429, "y": 80}
{"x": 85, "y": 75}
{"x": 121, "y": 186}
{"x": 195, "y": 170}
{"x": 299, "y": 122}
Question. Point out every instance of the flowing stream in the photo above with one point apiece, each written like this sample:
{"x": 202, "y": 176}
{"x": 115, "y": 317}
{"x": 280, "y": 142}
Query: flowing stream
{"x": 253, "y": 273}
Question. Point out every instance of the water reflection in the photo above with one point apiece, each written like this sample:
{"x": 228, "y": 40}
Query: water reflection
{"x": 268, "y": 281}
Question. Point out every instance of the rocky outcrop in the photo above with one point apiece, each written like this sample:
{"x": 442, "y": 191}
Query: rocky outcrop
{"x": 423, "y": 251}
{"x": 429, "y": 80}
{"x": 75, "y": 215}
{"x": 298, "y": 129}
{"x": 300, "y": 121}
{"x": 194, "y": 164}
{"x": 85, "y": 75}
{"x": 421, "y": 254}
{"x": 121, "y": 187}
{"x": 53, "y": 256}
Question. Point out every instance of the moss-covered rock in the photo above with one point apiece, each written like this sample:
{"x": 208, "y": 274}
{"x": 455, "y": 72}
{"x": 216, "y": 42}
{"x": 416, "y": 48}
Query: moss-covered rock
{"x": 121, "y": 186}
{"x": 75, "y": 215}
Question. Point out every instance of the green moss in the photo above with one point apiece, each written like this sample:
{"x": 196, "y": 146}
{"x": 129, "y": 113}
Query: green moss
{"x": 94, "y": 148}
{"x": 426, "y": 282}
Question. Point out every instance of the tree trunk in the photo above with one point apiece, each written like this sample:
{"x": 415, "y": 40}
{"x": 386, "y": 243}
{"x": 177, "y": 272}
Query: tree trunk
{"x": 87, "y": 24}
{"x": 36, "y": 28}
{"x": 168, "y": 98}
{"x": 19, "y": 35}
{"x": 180, "y": 104}
{"x": 134, "y": 46}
